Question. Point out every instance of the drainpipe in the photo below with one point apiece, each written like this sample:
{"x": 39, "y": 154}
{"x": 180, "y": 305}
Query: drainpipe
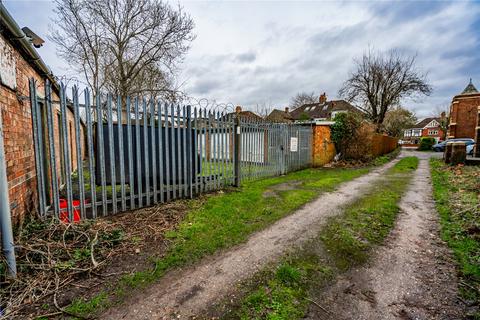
{"x": 5, "y": 218}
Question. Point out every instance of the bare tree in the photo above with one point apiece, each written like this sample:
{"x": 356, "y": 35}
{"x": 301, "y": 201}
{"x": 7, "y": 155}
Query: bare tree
{"x": 127, "y": 47}
{"x": 398, "y": 119}
{"x": 263, "y": 109}
{"x": 303, "y": 98}
{"x": 442, "y": 111}
{"x": 381, "y": 80}
{"x": 79, "y": 41}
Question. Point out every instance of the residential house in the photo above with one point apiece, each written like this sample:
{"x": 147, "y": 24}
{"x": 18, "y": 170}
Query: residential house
{"x": 322, "y": 110}
{"x": 464, "y": 113}
{"x": 428, "y": 127}
{"x": 246, "y": 114}
{"x": 280, "y": 116}
{"x": 20, "y": 61}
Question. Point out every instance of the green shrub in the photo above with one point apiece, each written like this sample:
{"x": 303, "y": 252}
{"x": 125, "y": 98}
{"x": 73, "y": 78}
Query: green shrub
{"x": 344, "y": 130}
{"x": 426, "y": 143}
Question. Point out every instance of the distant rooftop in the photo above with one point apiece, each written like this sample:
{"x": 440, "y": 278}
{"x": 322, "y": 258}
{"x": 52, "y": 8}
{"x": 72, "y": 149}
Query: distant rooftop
{"x": 470, "y": 88}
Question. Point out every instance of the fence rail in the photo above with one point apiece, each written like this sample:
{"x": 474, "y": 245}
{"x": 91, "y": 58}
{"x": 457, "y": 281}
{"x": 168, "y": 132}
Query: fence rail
{"x": 100, "y": 155}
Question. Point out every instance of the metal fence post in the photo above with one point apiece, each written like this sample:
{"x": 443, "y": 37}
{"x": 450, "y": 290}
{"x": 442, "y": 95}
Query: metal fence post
{"x": 5, "y": 218}
{"x": 237, "y": 149}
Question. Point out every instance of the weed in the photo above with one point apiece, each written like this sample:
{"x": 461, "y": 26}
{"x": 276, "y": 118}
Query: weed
{"x": 83, "y": 308}
{"x": 458, "y": 205}
{"x": 288, "y": 275}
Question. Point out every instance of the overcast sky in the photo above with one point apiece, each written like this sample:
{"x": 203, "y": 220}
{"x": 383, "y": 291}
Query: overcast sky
{"x": 263, "y": 53}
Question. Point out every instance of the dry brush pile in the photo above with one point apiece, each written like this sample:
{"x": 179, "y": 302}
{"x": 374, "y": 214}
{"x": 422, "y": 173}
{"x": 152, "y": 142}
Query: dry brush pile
{"x": 54, "y": 256}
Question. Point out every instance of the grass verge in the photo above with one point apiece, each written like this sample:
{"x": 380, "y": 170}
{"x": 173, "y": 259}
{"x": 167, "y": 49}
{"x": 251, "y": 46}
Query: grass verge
{"x": 457, "y": 196}
{"x": 223, "y": 220}
{"x": 282, "y": 292}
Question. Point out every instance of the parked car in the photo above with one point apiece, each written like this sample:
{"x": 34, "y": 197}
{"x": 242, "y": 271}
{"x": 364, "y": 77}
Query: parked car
{"x": 440, "y": 147}
{"x": 470, "y": 149}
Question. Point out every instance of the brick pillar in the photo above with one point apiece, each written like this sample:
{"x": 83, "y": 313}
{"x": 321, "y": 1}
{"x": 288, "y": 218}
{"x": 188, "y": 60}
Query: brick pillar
{"x": 323, "y": 149}
{"x": 455, "y": 153}
{"x": 452, "y": 127}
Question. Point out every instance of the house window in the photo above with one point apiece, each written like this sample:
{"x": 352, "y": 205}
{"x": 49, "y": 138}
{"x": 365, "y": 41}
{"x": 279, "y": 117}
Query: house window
{"x": 432, "y": 132}
{"x": 417, "y": 133}
{"x": 432, "y": 124}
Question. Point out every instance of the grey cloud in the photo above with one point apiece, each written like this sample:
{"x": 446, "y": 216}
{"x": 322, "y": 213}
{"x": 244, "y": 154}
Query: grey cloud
{"x": 204, "y": 86}
{"x": 246, "y": 57}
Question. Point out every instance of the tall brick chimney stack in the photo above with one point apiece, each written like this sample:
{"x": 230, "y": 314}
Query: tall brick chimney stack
{"x": 238, "y": 109}
{"x": 443, "y": 115}
{"x": 323, "y": 98}
{"x": 287, "y": 110}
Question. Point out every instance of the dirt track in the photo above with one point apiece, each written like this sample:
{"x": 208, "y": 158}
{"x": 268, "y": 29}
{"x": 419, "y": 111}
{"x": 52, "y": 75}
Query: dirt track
{"x": 411, "y": 277}
{"x": 184, "y": 293}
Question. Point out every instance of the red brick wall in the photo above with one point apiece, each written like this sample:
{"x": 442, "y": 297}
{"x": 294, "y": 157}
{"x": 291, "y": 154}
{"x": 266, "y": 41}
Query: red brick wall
{"x": 438, "y": 136}
{"x": 19, "y": 149}
{"x": 463, "y": 116}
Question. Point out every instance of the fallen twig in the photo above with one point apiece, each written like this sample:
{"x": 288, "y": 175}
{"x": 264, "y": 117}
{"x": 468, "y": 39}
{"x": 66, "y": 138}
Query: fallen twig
{"x": 318, "y": 305}
{"x": 470, "y": 286}
{"x": 92, "y": 246}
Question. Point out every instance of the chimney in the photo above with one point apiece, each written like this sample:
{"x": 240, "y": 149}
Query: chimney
{"x": 287, "y": 110}
{"x": 323, "y": 98}
{"x": 238, "y": 109}
{"x": 443, "y": 115}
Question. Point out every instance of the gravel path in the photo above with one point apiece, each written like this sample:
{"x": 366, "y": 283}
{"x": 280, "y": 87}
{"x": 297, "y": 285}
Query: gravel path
{"x": 411, "y": 277}
{"x": 183, "y": 293}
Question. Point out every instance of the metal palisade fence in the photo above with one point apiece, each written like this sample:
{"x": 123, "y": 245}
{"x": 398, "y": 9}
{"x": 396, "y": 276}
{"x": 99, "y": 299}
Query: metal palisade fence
{"x": 100, "y": 155}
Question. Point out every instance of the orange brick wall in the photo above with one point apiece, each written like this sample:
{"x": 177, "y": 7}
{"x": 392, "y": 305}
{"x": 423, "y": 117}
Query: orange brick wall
{"x": 323, "y": 147}
{"x": 19, "y": 148}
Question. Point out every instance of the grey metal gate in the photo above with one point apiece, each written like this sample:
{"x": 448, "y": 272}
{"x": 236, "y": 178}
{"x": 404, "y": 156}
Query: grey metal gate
{"x": 96, "y": 156}
{"x": 269, "y": 149}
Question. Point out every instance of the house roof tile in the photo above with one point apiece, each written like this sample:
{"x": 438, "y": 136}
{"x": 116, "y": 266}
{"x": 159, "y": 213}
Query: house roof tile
{"x": 424, "y": 122}
{"x": 279, "y": 116}
{"x": 322, "y": 110}
{"x": 470, "y": 88}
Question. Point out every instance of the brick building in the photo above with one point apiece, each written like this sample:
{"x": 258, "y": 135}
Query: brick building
{"x": 19, "y": 61}
{"x": 428, "y": 127}
{"x": 464, "y": 113}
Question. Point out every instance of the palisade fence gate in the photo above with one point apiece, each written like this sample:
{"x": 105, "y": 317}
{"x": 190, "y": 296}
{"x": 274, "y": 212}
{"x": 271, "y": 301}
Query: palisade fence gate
{"x": 101, "y": 155}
